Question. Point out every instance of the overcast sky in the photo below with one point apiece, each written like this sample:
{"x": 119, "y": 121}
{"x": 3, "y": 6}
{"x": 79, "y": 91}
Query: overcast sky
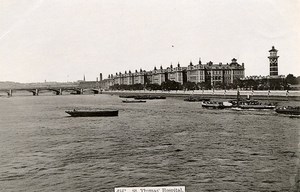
{"x": 61, "y": 40}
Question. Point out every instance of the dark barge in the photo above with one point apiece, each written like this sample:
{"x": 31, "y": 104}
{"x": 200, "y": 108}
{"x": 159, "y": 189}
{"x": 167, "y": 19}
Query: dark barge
{"x": 93, "y": 113}
{"x": 288, "y": 110}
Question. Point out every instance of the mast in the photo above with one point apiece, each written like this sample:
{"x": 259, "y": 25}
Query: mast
{"x": 238, "y": 97}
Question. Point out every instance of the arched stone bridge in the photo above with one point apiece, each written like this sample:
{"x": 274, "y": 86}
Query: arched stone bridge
{"x": 56, "y": 90}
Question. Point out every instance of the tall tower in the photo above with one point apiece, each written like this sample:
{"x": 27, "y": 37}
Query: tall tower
{"x": 273, "y": 62}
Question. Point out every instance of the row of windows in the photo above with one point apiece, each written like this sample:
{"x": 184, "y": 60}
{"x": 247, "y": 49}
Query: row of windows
{"x": 194, "y": 78}
{"x": 191, "y": 73}
{"x": 216, "y": 78}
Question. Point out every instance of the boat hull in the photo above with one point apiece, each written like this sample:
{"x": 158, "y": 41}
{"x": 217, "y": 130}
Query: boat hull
{"x": 196, "y": 99}
{"x": 134, "y": 101}
{"x": 149, "y": 97}
{"x": 93, "y": 113}
{"x": 213, "y": 106}
{"x": 257, "y": 107}
{"x": 287, "y": 111}
{"x": 216, "y": 105}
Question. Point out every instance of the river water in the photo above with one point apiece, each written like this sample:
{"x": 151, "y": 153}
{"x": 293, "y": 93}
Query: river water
{"x": 159, "y": 143}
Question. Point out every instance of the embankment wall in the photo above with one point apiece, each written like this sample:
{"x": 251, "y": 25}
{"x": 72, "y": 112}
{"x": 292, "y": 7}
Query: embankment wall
{"x": 221, "y": 94}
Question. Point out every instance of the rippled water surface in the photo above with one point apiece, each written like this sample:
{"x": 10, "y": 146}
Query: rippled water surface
{"x": 159, "y": 143}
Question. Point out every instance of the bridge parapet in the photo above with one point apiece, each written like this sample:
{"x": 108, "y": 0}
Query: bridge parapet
{"x": 57, "y": 90}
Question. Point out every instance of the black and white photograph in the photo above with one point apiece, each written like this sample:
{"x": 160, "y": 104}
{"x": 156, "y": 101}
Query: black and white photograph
{"x": 150, "y": 95}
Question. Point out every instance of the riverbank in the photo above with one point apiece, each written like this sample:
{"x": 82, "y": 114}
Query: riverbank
{"x": 218, "y": 94}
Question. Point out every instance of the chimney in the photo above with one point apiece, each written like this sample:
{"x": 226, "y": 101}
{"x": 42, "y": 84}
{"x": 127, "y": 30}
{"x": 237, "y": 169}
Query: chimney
{"x": 100, "y": 76}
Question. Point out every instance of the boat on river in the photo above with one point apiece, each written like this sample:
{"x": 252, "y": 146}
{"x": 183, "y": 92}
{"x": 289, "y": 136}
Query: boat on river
{"x": 149, "y": 97}
{"x": 127, "y": 96}
{"x": 257, "y": 106}
{"x": 133, "y": 101}
{"x": 140, "y": 97}
{"x": 196, "y": 99}
{"x": 288, "y": 110}
{"x": 240, "y": 104}
{"x": 251, "y": 104}
{"x": 216, "y": 105}
{"x": 93, "y": 113}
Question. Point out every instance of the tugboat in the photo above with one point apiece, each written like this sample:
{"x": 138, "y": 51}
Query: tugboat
{"x": 249, "y": 104}
{"x": 288, "y": 110}
{"x": 93, "y": 113}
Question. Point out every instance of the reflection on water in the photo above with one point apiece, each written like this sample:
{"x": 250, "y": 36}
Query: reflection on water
{"x": 161, "y": 142}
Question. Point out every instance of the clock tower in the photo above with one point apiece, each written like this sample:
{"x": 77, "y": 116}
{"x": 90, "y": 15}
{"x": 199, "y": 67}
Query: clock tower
{"x": 273, "y": 62}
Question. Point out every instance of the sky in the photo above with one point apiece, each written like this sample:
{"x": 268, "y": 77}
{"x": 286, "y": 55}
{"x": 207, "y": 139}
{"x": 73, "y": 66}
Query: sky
{"x": 63, "y": 40}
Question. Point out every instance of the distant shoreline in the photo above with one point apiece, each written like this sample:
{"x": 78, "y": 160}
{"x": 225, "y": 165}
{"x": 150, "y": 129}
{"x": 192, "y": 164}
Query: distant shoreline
{"x": 218, "y": 94}
{"x": 274, "y": 95}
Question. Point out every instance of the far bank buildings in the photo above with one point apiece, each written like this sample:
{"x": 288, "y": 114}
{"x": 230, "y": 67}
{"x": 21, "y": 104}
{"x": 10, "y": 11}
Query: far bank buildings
{"x": 210, "y": 72}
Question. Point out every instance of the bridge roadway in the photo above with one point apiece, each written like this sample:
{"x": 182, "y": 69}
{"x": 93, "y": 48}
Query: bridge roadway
{"x": 57, "y": 90}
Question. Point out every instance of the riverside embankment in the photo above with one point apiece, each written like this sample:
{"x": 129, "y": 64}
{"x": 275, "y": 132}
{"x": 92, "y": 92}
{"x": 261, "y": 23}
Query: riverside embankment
{"x": 278, "y": 95}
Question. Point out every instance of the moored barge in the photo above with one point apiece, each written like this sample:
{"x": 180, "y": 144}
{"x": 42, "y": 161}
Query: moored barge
{"x": 288, "y": 110}
{"x": 93, "y": 113}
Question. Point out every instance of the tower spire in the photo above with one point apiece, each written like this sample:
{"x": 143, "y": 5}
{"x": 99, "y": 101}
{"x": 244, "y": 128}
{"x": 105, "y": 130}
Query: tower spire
{"x": 273, "y": 58}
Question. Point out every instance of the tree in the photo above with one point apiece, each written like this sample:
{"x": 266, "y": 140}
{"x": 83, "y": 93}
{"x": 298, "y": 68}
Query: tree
{"x": 137, "y": 86}
{"x": 170, "y": 85}
{"x": 219, "y": 85}
{"x": 276, "y": 84}
{"x": 230, "y": 86}
{"x": 298, "y": 80}
{"x": 204, "y": 85}
{"x": 237, "y": 83}
{"x": 250, "y": 84}
{"x": 190, "y": 85}
{"x": 153, "y": 86}
{"x": 115, "y": 87}
{"x": 291, "y": 79}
